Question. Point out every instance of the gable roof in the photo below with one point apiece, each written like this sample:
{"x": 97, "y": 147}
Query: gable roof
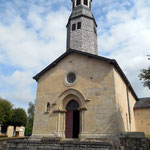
{"x": 142, "y": 103}
{"x": 110, "y": 61}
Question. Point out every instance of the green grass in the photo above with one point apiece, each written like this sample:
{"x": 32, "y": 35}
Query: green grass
{"x": 11, "y": 138}
{"x": 2, "y": 136}
{"x": 148, "y": 136}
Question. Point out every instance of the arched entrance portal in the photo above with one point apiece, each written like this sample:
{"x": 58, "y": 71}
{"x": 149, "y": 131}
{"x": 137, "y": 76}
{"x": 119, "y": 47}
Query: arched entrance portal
{"x": 72, "y": 120}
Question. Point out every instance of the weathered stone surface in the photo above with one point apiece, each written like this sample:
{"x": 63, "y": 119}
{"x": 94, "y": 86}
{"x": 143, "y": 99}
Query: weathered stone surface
{"x": 64, "y": 145}
{"x": 134, "y": 141}
{"x": 84, "y": 39}
{"x": 126, "y": 143}
{"x": 99, "y": 90}
{"x": 142, "y": 120}
{"x": 3, "y": 145}
{"x": 100, "y": 112}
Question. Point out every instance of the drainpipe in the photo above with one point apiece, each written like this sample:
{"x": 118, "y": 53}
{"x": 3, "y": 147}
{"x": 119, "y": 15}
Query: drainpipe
{"x": 129, "y": 112}
{"x": 127, "y": 122}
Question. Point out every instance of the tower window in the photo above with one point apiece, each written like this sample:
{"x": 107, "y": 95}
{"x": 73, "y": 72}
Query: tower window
{"x": 95, "y": 31}
{"x": 73, "y": 27}
{"x": 78, "y": 2}
{"x": 86, "y": 2}
{"x": 79, "y": 25}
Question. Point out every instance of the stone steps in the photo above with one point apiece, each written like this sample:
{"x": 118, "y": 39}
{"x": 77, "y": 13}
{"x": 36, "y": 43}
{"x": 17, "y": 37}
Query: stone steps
{"x": 124, "y": 143}
{"x": 64, "y": 145}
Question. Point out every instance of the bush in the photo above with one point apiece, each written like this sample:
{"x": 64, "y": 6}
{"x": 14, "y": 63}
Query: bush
{"x": 28, "y": 131}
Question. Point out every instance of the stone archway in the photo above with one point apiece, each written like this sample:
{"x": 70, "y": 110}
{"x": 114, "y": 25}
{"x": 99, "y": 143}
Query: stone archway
{"x": 72, "y": 120}
{"x": 64, "y": 99}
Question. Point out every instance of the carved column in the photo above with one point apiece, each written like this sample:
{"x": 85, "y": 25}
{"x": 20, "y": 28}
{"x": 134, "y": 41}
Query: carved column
{"x": 60, "y": 122}
{"x": 82, "y": 111}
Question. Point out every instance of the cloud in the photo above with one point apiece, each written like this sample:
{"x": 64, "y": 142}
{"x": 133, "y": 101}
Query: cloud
{"x": 17, "y": 88}
{"x": 28, "y": 44}
{"x": 127, "y": 39}
{"x": 25, "y": 47}
{"x": 33, "y": 34}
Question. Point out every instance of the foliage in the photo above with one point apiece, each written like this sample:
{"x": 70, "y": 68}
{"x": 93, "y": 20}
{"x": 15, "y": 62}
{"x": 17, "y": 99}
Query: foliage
{"x": 5, "y": 112}
{"x": 10, "y": 116}
{"x": 145, "y": 76}
{"x": 30, "y": 118}
{"x": 31, "y": 113}
{"x": 28, "y": 131}
{"x": 2, "y": 116}
{"x": 19, "y": 117}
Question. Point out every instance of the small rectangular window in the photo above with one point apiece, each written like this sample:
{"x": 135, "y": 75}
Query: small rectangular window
{"x": 73, "y": 27}
{"x": 95, "y": 30}
{"x": 86, "y": 2}
{"x": 78, "y": 2}
{"x": 79, "y": 25}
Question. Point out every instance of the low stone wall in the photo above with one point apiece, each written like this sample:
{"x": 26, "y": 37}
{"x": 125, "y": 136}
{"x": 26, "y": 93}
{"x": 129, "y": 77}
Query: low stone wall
{"x": 126, "y": 144}
{"x": 53, "y": 145}
{"x": 133, "y": 142}
{"x": 126, "y": 141}
{"x": 4, "y": 142}
{"x": 2, "y": 145}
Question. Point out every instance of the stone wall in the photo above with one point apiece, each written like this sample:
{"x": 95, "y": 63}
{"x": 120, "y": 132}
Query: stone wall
{"x": 127, "y": 142}
{"x": 2, "y": 145}
{"x": 53, "y": 145}
{"x": 143, "y": 120}
{"x": 133, "y": 141}
{"x": 125, "y": 103}
{"x": 93, "y": 91}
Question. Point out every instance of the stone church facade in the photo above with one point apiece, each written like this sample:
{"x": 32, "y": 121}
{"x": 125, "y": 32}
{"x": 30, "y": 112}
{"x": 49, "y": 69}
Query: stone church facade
{"x": 82, "y": 95}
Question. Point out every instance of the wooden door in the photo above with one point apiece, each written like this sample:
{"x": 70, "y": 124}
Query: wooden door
{"x": 69, "y": 124}
{"x": 76, "y": 124}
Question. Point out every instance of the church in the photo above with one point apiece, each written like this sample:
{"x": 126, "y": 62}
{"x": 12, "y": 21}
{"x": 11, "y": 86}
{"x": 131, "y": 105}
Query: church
{"x": 82, "y": 95}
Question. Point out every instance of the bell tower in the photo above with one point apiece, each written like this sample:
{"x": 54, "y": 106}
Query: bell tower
{"x": 82, "y": 28}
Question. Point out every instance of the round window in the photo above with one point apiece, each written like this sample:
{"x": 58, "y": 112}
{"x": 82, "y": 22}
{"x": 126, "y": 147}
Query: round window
{"x": 71, "y": 77}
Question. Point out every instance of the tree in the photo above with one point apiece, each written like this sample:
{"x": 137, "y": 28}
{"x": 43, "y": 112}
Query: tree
{"x": 10, "y": 116}
{"x": 2, "y": 118}
{"x": 31, "y": 114}
{"x": 29, "y": 126}
{"x": 145, "y": 76}
{"x": 5, "y": 112}
{"x": 19, "y": 117}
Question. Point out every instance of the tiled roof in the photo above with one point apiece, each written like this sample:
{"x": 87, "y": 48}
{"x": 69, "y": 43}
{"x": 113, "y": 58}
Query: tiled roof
{"x": 142, "y": 103}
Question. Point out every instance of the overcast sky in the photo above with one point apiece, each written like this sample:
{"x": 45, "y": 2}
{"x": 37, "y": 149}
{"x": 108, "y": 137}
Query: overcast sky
{"x": 33, "y": 34}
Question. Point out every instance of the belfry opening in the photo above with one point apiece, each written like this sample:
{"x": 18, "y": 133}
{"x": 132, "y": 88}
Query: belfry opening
{"x": 72, "y": 120}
